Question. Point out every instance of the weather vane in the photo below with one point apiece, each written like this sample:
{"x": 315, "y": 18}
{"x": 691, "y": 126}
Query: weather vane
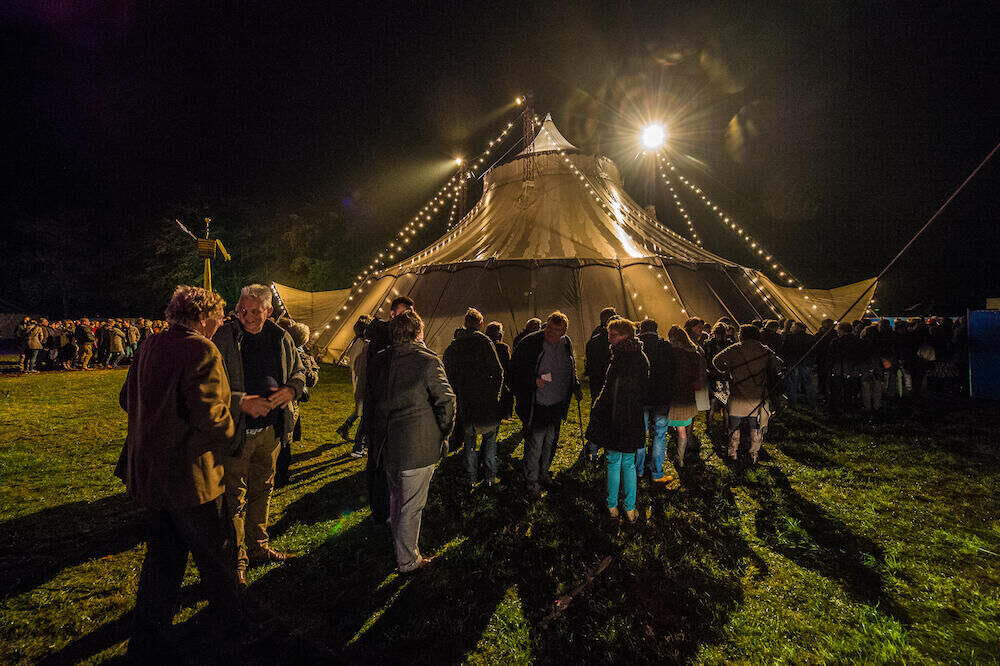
{"x": 207, "y": 249}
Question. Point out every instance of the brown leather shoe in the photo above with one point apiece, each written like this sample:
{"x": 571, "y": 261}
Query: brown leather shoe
{"x": 268, "y": 556}
{"x": 424, "y": 562}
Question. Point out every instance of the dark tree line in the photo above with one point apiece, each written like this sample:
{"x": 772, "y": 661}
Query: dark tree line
{"x": 71, "y": 264}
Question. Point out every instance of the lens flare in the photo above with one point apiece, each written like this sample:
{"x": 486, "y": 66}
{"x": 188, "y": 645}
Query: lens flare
{"x": 653, "y": 136}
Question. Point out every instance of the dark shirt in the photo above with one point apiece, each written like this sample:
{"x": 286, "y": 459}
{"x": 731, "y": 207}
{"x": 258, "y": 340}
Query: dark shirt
{"x": 261, "y": 368}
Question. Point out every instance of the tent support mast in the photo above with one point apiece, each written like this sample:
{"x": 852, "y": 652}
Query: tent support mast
{"x": 528, "y": 167}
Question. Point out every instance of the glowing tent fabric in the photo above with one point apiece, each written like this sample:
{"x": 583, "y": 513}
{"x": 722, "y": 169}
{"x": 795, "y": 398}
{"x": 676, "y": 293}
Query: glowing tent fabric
{"x": 315, "y": 309}
{"x": 569, "y": 239}
{"x": 548, "y": 139}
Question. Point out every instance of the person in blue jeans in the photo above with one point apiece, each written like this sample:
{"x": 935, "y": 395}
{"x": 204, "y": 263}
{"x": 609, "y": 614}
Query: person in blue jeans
{"x": 657, "y": 402}
{"x": 617, "y": 420}
{"x": 476, "y": 375}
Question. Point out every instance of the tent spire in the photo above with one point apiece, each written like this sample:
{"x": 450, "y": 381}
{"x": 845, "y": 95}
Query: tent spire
{"x": 528, "y": 167}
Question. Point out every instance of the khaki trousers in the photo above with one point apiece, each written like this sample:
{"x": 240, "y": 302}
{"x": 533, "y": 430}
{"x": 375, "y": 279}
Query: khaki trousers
{"x": 86, "y": 353}
{"x": 249, "y": 482}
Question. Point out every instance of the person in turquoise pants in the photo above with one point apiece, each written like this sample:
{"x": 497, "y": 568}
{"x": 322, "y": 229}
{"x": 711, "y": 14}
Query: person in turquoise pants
{"x": 617, "y": 420}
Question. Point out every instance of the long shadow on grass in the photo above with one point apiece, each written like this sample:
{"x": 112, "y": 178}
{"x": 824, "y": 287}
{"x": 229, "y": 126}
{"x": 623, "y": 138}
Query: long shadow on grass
{"x": 500, "y": 547}
{"x": 111, "y": 633}
{"x": 686, "y": 565}
{"x": 316, "y": 600}
{"x": 808, "y": 535}
{"x": 346, "y": 595}
{"x": 35, "y": 548}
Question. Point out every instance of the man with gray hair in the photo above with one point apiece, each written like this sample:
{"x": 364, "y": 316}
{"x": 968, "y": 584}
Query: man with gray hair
{"x": 266, "y": 376}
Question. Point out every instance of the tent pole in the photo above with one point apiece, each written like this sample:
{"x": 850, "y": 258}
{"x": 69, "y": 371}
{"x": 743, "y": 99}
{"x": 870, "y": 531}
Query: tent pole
{"x": 673, "y": 285}
{"x": 740, "y": 292}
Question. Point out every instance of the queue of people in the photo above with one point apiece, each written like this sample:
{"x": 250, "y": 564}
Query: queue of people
{"x": 80, "y": 344}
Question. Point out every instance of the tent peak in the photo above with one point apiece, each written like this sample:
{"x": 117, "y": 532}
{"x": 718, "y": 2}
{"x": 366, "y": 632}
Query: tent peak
{"x": 548, "y": 139}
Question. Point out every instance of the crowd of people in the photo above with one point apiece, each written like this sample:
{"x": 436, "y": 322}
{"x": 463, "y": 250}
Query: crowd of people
{"x": 213, "y": 407}
{"x": 80, "y": 344}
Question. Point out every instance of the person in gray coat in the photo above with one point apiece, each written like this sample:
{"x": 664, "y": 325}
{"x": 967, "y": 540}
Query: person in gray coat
{"x": 412, "y": 412}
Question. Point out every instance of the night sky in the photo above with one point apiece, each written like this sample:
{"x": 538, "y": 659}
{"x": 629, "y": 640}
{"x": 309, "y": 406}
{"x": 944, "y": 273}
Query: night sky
{"x": 833, "y": 130}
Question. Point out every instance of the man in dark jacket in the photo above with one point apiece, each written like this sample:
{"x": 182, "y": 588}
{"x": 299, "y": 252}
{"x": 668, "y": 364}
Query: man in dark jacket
{"x": 530, "y": 326}
{"x": 543, "y": 378}
{"x": 846, "y": 360}
{"x": 412, "y": 411}
{"x": 85, "y": 339}
{"x": 476, "y": 376}
{"x": 770, "y": 337}
{"x": 377, "y": 334}
{"x": 595, "y": 366}
{"x": 794, "y": 347}
{"x": 21, "y": 338}
{"x": 177, "y": 398}
{"x": 824, "y": 336}
{"x": 266, "y": 376}
{"x": 657, "y": 400}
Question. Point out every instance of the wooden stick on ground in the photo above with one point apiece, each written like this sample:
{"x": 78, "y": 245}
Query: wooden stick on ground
{"x": 563, "y": 602}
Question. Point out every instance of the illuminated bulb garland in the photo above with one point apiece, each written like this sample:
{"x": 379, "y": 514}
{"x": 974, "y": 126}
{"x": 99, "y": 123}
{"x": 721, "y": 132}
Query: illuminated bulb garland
{"x": 274, "y": 292}
{"x": 635, "y": 226}
{"x": 628, "y": 218}
{"x": 451, "y": 214}
{"x": 436, "y": 203}
{"x": 480, "y": 162}
{"x": 754, "y": 245}
{"x": 621, "y": 214}
{"x": 677, "y": 202}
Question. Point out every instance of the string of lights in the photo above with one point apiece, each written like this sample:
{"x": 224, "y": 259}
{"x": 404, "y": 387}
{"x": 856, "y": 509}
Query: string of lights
{"x": 437, "y": 202}
{"x": 451, "y": 214}
{"x": 630, "y": 220}
{"x": 677, "y": 202}
{"x": 619, "y": 212}
{"x": 281, "y": 303}
{"x": 755, "y": 245}
{"x": 397, "y": 246}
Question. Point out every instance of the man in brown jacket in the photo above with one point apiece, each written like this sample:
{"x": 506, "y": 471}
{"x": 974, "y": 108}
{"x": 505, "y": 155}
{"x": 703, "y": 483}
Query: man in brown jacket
{"x": 179, "y": 423}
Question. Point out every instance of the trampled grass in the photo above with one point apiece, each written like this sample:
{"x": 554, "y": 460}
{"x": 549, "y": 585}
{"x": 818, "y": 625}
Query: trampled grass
{"x": 851, "y": 542}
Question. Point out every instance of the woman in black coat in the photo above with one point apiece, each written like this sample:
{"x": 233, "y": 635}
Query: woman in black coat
{"x": 616, "y": 420}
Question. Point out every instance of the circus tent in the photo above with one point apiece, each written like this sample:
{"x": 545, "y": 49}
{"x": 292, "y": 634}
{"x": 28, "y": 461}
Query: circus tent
{"x": 562, "y": 235}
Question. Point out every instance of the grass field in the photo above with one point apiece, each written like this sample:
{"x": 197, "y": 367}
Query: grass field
{"x": 851, "y": 542}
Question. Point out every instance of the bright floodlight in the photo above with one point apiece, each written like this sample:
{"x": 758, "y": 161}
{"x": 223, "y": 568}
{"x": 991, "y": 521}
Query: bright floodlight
{"x": 653, "y": 136}
{"x": 458, "y": 161}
